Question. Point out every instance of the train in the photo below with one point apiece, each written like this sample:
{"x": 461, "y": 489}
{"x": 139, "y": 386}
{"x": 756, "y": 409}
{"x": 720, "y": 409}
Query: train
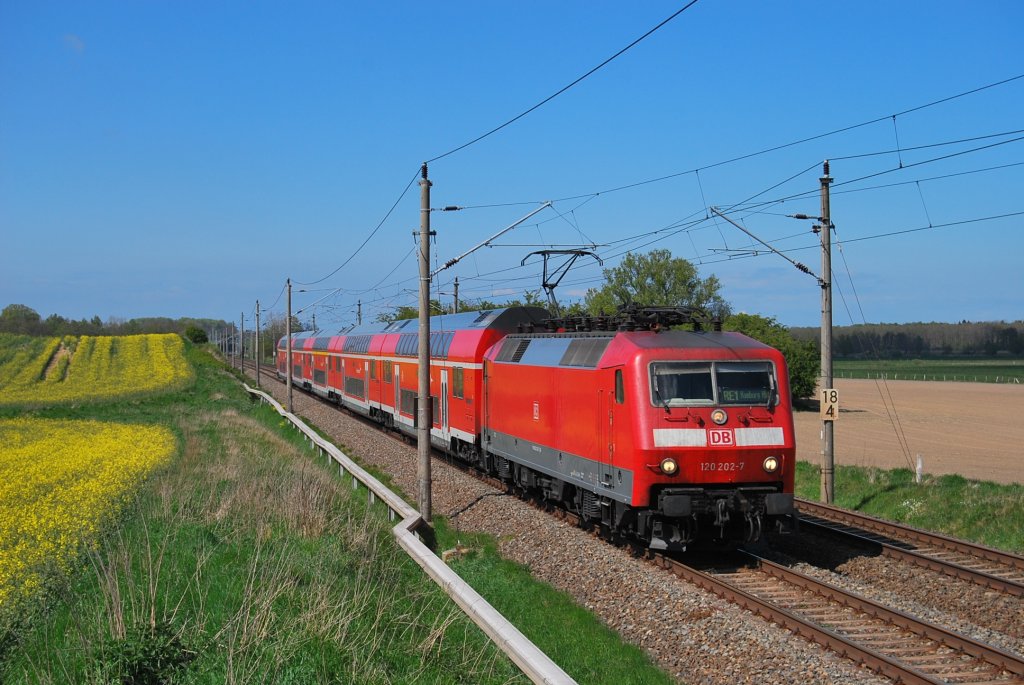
{"x": 652, "y": 423}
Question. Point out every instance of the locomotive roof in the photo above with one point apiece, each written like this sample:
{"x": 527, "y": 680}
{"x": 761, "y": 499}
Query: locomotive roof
{"x": 730, "y": 340}
{"x": 594, "y": 349}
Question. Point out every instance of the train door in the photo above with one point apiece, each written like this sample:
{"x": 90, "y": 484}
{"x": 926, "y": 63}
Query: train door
{"x": 446, "y": 431}
{"x": 616, "y": 410}
{"x": 485, "y": 416}
{"x": 373, "y": 390}
{"x": 398, "y": 395}
{"x": 604, "y": 438}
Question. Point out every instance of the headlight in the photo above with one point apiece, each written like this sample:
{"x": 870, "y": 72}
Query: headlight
{"x": 719, "y": 416}
{"x": 669, "y": 466}
{"x": 771, "y": 464}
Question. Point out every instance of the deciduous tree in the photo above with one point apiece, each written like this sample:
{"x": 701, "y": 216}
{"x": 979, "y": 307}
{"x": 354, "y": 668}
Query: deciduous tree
{"x": 801, "y": 355}
{"x": 656, "y": 279}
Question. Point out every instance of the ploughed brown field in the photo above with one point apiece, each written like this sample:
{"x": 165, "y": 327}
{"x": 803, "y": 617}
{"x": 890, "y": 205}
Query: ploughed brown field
{"x": 972, "y": 429}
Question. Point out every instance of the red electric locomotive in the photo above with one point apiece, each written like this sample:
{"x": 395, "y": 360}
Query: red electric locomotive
{"x": 669, "y": 436}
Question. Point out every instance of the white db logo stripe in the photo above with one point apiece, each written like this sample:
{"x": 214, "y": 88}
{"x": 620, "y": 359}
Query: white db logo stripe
{"x": 680, "y": 437}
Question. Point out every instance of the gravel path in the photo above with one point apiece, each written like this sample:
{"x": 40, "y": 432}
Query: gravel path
{"x": 691, "y": 634}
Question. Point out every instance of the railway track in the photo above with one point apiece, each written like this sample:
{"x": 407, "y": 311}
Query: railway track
{"x": 990, "y": 568}
{"x": 888, "y": 642}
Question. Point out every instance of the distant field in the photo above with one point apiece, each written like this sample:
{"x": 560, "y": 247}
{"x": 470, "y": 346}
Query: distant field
{"x": 72, "y": 369}
{"x": 968, "y": 370}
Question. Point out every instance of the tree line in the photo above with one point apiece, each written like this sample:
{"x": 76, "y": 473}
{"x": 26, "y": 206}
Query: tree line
{"x": 654, "y": 279}
{"x": 916, "y": 340}
{"x": 21, "y": 319}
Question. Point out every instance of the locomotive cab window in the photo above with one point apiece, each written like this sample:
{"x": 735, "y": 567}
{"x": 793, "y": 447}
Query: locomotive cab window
{"x": 745, "y": 383}
{"x": 682, "y": 384}
{"x": 620, "y": 390}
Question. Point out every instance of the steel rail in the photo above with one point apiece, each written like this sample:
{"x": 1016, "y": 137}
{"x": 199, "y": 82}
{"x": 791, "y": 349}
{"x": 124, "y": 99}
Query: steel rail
{"x": 796, "y": 624}
{"x": 886, "y": 535}
{"x": 869, "y": 657}
{"x": 803, "y": 627}
{"x": 979, "y": 650}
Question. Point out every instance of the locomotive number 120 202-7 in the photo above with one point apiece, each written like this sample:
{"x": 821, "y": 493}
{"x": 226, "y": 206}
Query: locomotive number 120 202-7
{"x": 721, "y": 466}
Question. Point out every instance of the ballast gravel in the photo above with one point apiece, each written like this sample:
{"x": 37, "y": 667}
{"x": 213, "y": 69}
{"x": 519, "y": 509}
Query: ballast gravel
{"x": 988, "y": 616}
{"x": 691, "y": 634}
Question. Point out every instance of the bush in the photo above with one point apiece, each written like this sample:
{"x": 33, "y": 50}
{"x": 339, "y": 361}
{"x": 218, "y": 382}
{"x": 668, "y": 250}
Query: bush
{"x": 196, "y": 335}
{"x": 801, "y": 355}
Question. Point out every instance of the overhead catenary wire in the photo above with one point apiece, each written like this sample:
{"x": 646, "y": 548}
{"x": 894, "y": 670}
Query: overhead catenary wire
{"x": 794, "y": 143}
{"x": 483, "y": 278}
{"x": 900, "y": 148}
{"x": 809, "y": 193}
{"x": 565, "y": 88}
{"x": 368, "y": 238}
{"x": 884, "y": 391}
{"x": 590, "y": 196}
{"x": 664, "y": 233}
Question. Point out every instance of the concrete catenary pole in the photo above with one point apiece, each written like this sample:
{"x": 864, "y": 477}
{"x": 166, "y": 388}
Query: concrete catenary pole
{"x": 456, "y": 295}
{"x": 288, "y": 348}
{"x": 423, "y": 418}
{"x": 828, "y": 425}
{"x": 359, "y": 312}
{"x": 257, "y": 343}
{"x": 241, "y": 343}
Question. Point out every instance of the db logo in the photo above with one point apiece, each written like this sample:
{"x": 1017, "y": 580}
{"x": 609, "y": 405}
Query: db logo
{"x": 720, "y": 437}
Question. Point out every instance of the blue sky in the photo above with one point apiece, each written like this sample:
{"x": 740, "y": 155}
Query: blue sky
{"x": 185, "y": 158}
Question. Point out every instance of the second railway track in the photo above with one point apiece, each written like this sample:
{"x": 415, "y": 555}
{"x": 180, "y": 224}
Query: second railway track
{"x": 891, "y": 643}
{"x": 985, "y": 566}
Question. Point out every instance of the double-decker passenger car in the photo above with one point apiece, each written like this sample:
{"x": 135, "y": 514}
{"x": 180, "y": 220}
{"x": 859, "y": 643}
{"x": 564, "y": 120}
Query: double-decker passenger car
{"x": 669, "y": 436}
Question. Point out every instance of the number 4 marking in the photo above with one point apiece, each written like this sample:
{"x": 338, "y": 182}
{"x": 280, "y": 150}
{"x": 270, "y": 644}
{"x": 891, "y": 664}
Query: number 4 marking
{"x": 829, "y": 404}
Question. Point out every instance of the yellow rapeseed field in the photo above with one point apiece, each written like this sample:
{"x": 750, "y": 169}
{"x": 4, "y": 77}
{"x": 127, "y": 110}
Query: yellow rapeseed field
{"x": 59, "y": 480}
{"x": 100, "y": 367}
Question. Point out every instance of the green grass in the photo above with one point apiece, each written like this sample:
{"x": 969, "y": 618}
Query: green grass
{"x": 981, "y": 511}
{"x": 246, "y": 560}
{"x": 599, "y": 657}
{"x": 250, "y": 560}
{"x": 972, "y": 370}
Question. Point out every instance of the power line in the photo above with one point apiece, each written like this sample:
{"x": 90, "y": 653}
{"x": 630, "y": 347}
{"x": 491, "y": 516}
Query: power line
{"x": 794, "y": 143}
{"x": 696, "y": 171}
{"x": 887, "y": 398}
{"x": 930, "y": 145}
{"x": 556, "y": 94}
{"x": 806, "y": 193}
{"x": 678, "y": 227}
{"x": 372, "y": 233}
{"x": 929, "y": 178}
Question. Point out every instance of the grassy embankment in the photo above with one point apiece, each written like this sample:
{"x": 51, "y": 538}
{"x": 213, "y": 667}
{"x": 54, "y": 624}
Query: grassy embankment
{"x": 972, "y": 370}
{"x": 246, "y": 560}
{"x": 981, "y": 511}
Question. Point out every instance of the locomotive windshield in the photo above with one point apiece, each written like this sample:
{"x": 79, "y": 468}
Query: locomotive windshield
{"x": 684, "y": 384}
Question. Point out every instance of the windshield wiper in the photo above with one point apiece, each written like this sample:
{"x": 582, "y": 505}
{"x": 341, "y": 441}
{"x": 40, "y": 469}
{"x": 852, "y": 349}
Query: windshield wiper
{"x": 659, "y": 398}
